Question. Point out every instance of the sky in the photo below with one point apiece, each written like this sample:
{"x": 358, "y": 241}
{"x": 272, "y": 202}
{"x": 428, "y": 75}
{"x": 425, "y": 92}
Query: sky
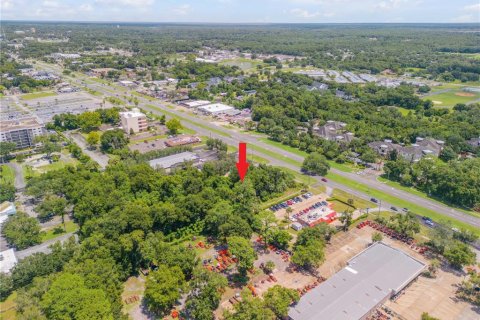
{"x": 249, "y": 11}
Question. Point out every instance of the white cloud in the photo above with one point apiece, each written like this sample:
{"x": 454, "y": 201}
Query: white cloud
{"x": 472, "y": 7}
{"x": 302, "y": 13}
{"x": 390, "y": 4}
{"x": 182, "y": 10}
{"x": 133, "y": 3}
{"x": 465, "y": 18}
{"x": 6, "y": 4}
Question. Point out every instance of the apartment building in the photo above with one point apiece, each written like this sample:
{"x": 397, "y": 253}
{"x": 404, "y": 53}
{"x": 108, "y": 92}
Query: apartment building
{"x": 21, "y": 131}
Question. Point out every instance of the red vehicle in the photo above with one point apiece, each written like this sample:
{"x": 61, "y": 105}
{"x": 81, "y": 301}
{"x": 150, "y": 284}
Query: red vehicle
{"x": 324, "y": 180}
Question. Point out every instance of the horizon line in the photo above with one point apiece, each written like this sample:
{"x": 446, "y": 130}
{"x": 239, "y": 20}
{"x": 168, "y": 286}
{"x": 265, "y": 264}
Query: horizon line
{"x": 230, "y": 23}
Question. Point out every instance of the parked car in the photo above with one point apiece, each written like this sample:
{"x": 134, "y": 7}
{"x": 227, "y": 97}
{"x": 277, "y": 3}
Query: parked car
{"x": 374, "y": 200}
{"x": 394, "y": 208}
{"x": 429, "y": 223}
{"x": 324, "y": 180}
{"x": 405, "y": 209}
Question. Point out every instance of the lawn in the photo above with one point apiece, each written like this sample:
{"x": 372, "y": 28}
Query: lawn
{"x": 7, "y": 174}
{"x": 358, "y": 203}
{"x": 8, "y": 307}
{"x": 49, "y": 234}
{"x": 400, "y": 203}
{"x": 36, "y": 95}
{"x": 404, "y": 111}
{"x": 274, "y": 154}
{"x": 135, "y": 93}
{"x": 211, "y": 128}
{"x": 419, "y": 193}
{"x": 451, "y": 98}
{"x": 333, "y": 164}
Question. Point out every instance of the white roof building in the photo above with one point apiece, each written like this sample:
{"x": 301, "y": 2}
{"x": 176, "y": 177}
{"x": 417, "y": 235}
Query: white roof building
{"x": 133, "y": 121}
{"x": 216, "y": 108}
{"x": 195, "y": 104}
{"x": 7, "y": 260}
{"x": 173, "y": 160}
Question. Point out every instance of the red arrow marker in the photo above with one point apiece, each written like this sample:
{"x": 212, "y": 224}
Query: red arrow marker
{"x": 242, "y": 164}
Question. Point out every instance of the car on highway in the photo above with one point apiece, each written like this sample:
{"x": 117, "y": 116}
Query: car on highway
{"x": 374, "y": 200}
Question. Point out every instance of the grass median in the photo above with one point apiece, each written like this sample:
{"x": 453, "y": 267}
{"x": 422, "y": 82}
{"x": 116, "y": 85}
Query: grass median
{"x": 173, "y": 115}
{"x": 400, "y": 203}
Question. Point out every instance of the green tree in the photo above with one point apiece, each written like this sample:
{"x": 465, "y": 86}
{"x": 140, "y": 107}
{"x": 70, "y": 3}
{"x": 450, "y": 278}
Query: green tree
{"x": 315, "y": 163}
{"x": 447, "y": 154}
{"x": 249, "y": 308}
{"x": 174, "y": 125}
{"x": 52, "y": 205}
{"x": 376, "y": 237}
{"x": 269, "y": 266}
{"x": 425, "y": 315}
{"x": 206, "y": 288}
{"x": 69, "y": 298}
{"x": 280, "y": 238}
{"x": 278, "y": 299}
{"x": 310, "y": 255}
{"x": 163, "y": 288}
{"x": 6, "y": 286}
{"x": 242, "y": 249}
{"x": 89, "y": 121}
{"x": 49, "y": 145}
{"x": 93, "y": 138}
{"x": 7, "y": 192}
{"x": 5, "y": 149}
{"x": 459, "y": 254}
{"x": 113, "y": 140}
{"x": 346, "y": 218}
{"x": 22, "y": 231}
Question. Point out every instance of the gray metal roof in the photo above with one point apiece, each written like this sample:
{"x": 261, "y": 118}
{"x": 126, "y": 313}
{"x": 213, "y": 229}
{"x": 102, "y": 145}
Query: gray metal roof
{"x": 369, "y": 278}
{"x": 174, "y": 159}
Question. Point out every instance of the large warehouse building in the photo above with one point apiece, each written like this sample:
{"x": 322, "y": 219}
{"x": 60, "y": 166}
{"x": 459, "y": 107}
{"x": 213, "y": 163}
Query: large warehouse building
{"x": 368, "y": 280}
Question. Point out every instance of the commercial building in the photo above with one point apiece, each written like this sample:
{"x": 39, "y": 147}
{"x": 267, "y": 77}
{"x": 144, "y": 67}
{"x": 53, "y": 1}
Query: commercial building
{"x": 172, "y": 161}
{"x": 195, "y": 103}
{"x": 22, "y": 132}
{"x": 133, "y": 121}
{"x": 182, "y": 140}
{"x": 216, "y": 108}
{"x": 369, "y": 279}
{"x": 7, "y": 260}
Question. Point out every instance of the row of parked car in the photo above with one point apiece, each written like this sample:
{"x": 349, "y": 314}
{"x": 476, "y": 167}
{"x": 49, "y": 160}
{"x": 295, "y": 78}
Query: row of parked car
{"x": 290, "y": 202}
{"x": 312, "y": 207}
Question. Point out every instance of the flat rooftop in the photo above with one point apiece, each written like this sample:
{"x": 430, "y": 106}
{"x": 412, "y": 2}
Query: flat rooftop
{"x": 174, "y": 159}
{"x": 7, "y": 260}
{"x": 18, "y": 124}
{"x": 215, "y": 107}
{"x": 369, "y": 278}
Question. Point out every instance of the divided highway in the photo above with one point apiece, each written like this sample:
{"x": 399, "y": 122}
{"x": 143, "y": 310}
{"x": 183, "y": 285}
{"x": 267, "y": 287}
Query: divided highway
{"x": 233, "y": 137}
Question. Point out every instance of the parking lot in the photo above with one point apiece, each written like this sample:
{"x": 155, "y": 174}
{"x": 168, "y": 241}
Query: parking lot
{"x": 75, "y": 103}
{"x": 298, "y": 204}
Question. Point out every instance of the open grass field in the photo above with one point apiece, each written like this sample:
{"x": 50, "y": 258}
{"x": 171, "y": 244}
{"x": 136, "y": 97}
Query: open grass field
{"x": 400, "y": 203}
{"x": 451, "y": 98}
{"x": 7, "y": 174}
{"x": 70, "y": 226}
{"x": 37, "y": 95}
{"x": 243, "y": 63}
{"x": 170, "y": 114}
{"x": 8, "y": 307}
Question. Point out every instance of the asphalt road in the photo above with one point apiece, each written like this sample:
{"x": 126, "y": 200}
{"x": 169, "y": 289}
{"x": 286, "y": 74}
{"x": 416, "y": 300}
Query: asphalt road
{"x": 236, "y": 137}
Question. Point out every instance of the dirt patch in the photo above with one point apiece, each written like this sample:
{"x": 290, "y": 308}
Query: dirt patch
{"x": 464, "y": 94}
{"x": 437, "y": 102}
